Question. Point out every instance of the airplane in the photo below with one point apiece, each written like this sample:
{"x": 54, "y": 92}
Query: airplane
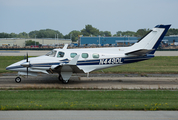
{"x": 65, "y": 61}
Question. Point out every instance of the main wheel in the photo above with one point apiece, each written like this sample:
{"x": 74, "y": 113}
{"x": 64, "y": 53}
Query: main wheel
{"x": 17, "y": 79}
{"x": 65, "y": 81}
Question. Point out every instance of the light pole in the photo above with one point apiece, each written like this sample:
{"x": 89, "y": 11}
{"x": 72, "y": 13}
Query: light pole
{"x": 57, "y": 38}
{"x": 71, "y": 36}
{"x": 35, "y": 40}
{"x": 99, "y": 40}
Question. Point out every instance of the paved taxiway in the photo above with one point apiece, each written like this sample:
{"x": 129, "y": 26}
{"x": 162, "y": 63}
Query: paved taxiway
{"x": 77, "y": 82}
{"x": 88, "y": 115}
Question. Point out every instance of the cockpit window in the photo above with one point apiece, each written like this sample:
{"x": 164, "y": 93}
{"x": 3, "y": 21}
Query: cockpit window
{"x": 51, "y": 53}
{"x": 60, "y": 54}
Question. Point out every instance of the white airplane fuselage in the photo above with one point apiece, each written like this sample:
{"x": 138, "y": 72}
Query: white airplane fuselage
{"x": 108, "y": 57}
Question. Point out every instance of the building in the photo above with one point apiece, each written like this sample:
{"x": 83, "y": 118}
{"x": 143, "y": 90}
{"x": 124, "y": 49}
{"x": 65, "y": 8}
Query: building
{"x": 101, "y": 41}
{"x": 120, "y": 41}
{"x": 171, "y": 40}
{"x": 21, "y": 42}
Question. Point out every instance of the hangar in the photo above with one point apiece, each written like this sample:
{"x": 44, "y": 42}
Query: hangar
{"x": 120, "y": 41}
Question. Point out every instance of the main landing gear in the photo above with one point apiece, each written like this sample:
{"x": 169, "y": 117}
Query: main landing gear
{"x": 17, "y": 79}
{"x": 61, "y": 79}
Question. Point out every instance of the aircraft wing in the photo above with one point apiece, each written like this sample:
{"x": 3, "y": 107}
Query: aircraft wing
{"x": 140, "y": 52}
{"x": 69, "y": 67}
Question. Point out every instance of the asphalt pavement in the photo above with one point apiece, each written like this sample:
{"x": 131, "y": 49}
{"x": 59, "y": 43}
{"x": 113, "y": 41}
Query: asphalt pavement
{"x": 88, "y": 115}
{"x": 104, "y": 81}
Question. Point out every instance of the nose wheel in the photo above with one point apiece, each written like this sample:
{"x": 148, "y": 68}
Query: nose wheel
{"x": 17, "y": 79}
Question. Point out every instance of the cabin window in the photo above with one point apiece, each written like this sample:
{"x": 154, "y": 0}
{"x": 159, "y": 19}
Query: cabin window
{"x": 95, "y": 55}
{"x": 72, "y": 55}
{"x": 51, "y": 53}
{"x": 60, "y": 54}
{"x": 84, "y": 55}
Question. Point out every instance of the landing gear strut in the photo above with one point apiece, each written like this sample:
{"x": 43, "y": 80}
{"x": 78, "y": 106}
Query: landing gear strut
{"x": 61, "y": 79}
{"x": 17, "y": 79}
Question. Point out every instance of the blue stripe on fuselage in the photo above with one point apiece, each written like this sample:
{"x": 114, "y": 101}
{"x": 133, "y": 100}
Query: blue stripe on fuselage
{"x": 137, "y": 59}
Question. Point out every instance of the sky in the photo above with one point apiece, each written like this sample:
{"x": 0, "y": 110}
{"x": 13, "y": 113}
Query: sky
{"x": 67, "y": 15}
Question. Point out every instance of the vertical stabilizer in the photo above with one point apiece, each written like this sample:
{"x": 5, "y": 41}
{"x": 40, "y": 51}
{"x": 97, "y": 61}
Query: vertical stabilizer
{"x": 152, "y": 39}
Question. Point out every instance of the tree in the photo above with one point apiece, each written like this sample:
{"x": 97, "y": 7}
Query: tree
{"x": 30, "y": 42}
{"x": 172, "y": 31}
{"x": 13, "y": 35}
{"x": 89, "y": 30}
{"x": 47, "y": 33}
{"x": 73, "y": 35}
{"x": 126, "y": 33}
{"x": 22, "y": 35}
{"x": 118, "y": 33}
{"x": 141, "y": 32}
{"x": 105, "y": 33}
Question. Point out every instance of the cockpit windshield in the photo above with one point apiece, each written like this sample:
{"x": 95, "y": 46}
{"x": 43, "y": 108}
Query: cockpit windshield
{"x": 51, "y": 53}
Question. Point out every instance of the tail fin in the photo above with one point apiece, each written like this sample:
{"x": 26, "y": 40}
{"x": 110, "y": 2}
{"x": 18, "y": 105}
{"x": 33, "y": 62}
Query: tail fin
{"x": 152, "y": 40}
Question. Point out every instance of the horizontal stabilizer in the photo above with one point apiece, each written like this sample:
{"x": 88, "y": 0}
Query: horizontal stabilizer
{"x": 140, "y": 52}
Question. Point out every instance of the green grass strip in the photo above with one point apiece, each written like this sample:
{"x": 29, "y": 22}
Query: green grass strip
{"x": 159, "y": 64}
{"x": 88, "y": 100}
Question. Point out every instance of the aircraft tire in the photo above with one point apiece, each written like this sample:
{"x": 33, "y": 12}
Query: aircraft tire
{"x": 65, "y": 81}
{"x": 17, "y": 79}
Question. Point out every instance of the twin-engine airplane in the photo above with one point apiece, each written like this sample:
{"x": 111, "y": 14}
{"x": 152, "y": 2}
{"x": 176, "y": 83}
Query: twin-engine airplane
{"x": 65, "y": 61}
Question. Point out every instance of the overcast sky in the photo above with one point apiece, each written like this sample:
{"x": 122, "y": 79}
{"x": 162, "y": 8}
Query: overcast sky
{"x": 67, "y": 15}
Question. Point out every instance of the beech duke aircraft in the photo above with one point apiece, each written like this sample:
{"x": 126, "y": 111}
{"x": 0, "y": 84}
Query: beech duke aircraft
{"x": 65, "y": 61}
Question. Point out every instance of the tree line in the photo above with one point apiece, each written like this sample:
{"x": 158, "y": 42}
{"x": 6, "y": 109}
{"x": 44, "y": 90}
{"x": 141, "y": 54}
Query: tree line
{"x": 89, "y": 30}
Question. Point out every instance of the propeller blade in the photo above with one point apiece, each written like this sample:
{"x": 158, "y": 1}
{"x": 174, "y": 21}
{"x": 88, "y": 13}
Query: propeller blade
{"x": 27, "y": 67}
{"x": 27, "y": 56}
{"x": 27, "y": 72}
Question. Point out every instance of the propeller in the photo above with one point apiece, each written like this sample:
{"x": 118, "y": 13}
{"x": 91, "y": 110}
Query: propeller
{"x": 27, "y": 66}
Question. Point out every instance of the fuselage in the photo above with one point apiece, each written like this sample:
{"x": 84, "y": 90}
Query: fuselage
{"x": 90, "y": 59}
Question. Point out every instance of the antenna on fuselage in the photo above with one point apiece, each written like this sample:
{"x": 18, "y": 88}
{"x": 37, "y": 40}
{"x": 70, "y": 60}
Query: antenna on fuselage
{"x": 65, "y": 46}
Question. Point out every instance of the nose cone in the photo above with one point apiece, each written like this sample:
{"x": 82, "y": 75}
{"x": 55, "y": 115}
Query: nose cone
{"x": 10, "y": 67}
{"x": 16, "y": 66}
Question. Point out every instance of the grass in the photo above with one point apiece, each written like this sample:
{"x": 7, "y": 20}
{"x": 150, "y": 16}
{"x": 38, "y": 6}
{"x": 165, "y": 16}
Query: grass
{"x": 159, "y": 64}
{"x": 8, "y": 60}
{"x": 95, "y": 100}
{"x": 88, "y": 100}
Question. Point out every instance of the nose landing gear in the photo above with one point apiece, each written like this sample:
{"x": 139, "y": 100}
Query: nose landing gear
{"x": 17, "y": 79}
